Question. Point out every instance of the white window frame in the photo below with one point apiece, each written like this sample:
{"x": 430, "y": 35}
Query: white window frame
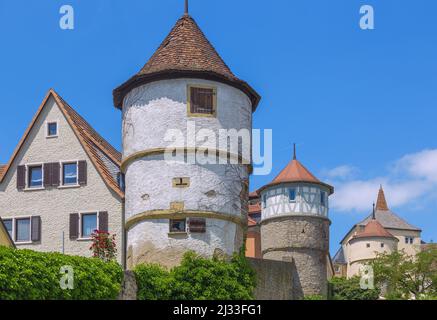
{"x": 61, "y": 174}
{"x": 47, "y": 129}
{"x": 32, "y": 165}
{"x": 84, "y": 213}
{"x": 14, "y": 229}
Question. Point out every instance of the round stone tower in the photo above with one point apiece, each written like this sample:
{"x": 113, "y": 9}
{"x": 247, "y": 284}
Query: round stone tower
{"x": 175, "y": 112}
{"x": 367, "y": 243}
{"x": 295, "y": 227}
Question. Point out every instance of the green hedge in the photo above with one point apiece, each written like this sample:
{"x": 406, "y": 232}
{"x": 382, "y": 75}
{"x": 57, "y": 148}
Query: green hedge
{"x": 30, "y": 275}
{"x": 349, "y": 289}
{"x": 197, "y": 278}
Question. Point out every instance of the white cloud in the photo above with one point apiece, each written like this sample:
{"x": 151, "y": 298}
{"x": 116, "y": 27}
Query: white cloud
{"x": 413, "y": 176}
{"x": 422, "y": 165}
{"x": 341, "y": 172}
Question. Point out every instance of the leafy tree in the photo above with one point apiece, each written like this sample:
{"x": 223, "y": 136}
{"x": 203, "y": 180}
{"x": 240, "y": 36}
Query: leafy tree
{"x": 405, "y": 276}
{"x": 350, "y": 289}
{"x": 198, "y": 278}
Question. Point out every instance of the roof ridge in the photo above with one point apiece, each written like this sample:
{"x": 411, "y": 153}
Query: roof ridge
{"x": 100, "y": 142}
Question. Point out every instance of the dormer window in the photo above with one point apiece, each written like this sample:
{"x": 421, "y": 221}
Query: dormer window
{"x": 52, "y": 129}
{"x": 202, "y": 101}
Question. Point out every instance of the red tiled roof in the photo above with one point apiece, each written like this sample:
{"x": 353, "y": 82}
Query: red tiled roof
{"x": 251, "y": 222}
{"x": 381, "y": 203}
{"x": 253, "y": 195}
{"x": 373, "y": 229}
{"x": 2, "y": 169}
{"x": 296, "y": 172}
{"x": 92, "y": 142}
{"x": 254, "y": 208}
{"x": 185, "y": 52}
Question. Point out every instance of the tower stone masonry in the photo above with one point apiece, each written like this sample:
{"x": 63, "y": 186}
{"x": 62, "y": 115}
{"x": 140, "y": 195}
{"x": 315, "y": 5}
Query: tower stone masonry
{"x": 175, "y": 206}
{"x": 295, "y": 227}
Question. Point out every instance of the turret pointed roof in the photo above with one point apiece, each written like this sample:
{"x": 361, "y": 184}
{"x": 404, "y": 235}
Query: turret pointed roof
{"x": 185, "y": 52}
{"x": 381, "y": 203}
{"x": 297, "y": 172}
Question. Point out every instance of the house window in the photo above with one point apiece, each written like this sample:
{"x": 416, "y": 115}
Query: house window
{"x": 88, "y": 224}
{"x": 264, "y": 202}
{"x": 52, "y": 129}
{"x": 35, "y": 177}
{"x": 292, "y": 194}
{"x": 202, "y": 100}
{"x": 22, "y": 230}
{"x": 368, "y": 245}
{"x": 382, "y": 245}
{"x": 409, "y": 240}
{"x": 69, "y": 173}
{"x": 322, "y": 198}
{"x": 121, "y": 181}
{"x": 178, "y": 226}
{"x": 8, "y": 224}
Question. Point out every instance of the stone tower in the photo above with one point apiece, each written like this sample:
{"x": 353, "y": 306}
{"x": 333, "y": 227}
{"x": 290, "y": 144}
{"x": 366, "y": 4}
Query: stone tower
{"x": 295, "y": 226}
{"x": 367, "y": 243}
{"x": 174, "y": 202}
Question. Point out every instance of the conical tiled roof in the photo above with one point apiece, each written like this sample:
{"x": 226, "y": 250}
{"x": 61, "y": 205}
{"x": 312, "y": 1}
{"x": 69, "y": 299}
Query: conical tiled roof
{"x": 296, "y": 172}
{"x": 381, "y": 203}
{"x": 373, "y": 229}
{"x": 186, "y": 48}
{"x": 185, "y": 52}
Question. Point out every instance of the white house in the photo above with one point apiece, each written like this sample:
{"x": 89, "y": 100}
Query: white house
{"x": 61, "y": 183}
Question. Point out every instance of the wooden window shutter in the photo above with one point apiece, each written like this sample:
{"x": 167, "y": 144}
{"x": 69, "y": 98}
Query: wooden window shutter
{"x": 197, "y": 225}
{"x": 21, "y": 177}
{"x": 47, "y": 175}
{"x": 202, "y": 100}
{"x": 55, "y": 174}
{"x": 103, "y": 221}
{"x": 74, "y": 226}
{"x": 82, "y": 173}
{"x": 36, "y": 229}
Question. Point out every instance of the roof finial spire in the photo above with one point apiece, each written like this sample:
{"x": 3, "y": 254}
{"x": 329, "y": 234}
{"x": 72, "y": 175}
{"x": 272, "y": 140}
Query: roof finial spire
{"x": 186, "y": 7}
{"x": 294, "y": 151}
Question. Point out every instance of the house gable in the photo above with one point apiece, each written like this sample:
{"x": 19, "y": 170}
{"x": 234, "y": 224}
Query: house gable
{"x": 102, "y": 155}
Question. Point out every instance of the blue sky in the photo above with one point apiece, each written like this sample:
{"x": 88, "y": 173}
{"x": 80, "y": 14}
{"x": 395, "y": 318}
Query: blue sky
{"x": 361, "y": 105}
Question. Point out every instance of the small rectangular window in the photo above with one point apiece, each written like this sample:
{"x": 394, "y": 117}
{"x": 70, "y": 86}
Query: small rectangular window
{"x": 8, "y": 225}
{"x": 178, "y": 225}
{"x": 89, "y": 224}
{"x": 368, "y": 245}
{"x": 52, "y": 129}
{"x": 22, "y": 230}
{"x": 202, "y": 100}
{"x": 322, "y": 198}
{"x": 35, "y": 177}
{"x": 69, "y": 173}
{"x": 121, "y": 181}
{"x": 264, "y": 202}
{"x": 292, "y": 194}
{"x": 382, "y": 245}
